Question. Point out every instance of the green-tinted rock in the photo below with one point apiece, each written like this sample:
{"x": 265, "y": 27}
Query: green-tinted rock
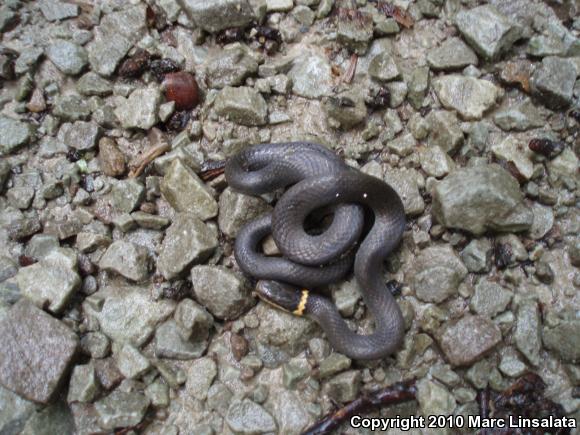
{"x": 469, "y": 96}
{"x": 490, "y": 298}
{"x": 452, "y": 54}
{"x": 247, "y": 417}
{"x": 13, "y": 134}
{"x": 83, "y": 386}
{"x": 242, "y": 105}
{"x": 121, "y": 409}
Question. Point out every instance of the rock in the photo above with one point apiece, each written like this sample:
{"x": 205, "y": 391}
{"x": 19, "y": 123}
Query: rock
{"x": 13, "y": 134}
{"x": 543, "y": 221}
{"x": 311, "y": 76}
{"x": 488, "y": 31}
{"x": 343, "y": 387}
{"x": 56, "y": 11}
{"x": 333, "y": 364}
{"x": 346, "y": 110}
{"x": 383, "y": 68}
{"x": 405, "y": 183}
{"x": 452, "y": 54}
{"x": 55, "y": 418}
{"x": 346, "y": 297}
{"x": 224, "y": 293}
{"x": 126, "y": 195}
{"x": 200, "y": 376}
{"x": 279, "y": 5}
{"x": 8, "y": 268}
{"x": 237, "y": 209}
{"x": 80, "y": 135}
{"x": 511, "y": 365}
{"x": 71, "y": 107}
{"x": 126, "y": 259}
{"x": 83, "y": 386}
{"x": 521, "y": 116}
{"x": 242, "y": 105}
{"x": 477, "y": 255}
{"x": 291, "y": 412}
{"x": 37, "y": 351}
{"x": 8, "y": 18}
{"x": 469, "y": 339}
{"x": 49, "y": 283}
{"x": 294, "y": 371}
{"x": 437, "y": 273}
{"x": 96, "y": 344}
{"x": 435, "y": 162}
{"x": 230, "y": 67}
{"x": 247, "y": 417}
{"x": 149, "y": 221}
{"x": 131, "y": 363}
{"x": 121, "y": 409}
{"x": 418, "y": 85}
{"x": 114, "y": 36}
{"x": 564, "y": 165}
{"x": 490, "y": 298}
{"x": 185, "y": 191}
{"x": 304, "y": 15}
{"x": 20, "y": 197}
{"x": 469, "y": 96}
{"x": 68, "y": 57}
{"x": 111, "y": 159}
{"x": 355, "y": 34}
{"x": 402, "y": 145}
{"x": 445, "y": 131}
{"x": 140, "y": 314}
{"x": 14, "y": 413}
{"x": 434, "y": 398}
{"x": 172, "y": 341}
{"x": 216, "y": 15}
{"x": 553, "y": 82}
{"x": 563, "y": 338}
{"x": 481, "y": 198}
{"x": 520, "y": 156}
{"x": 140, "y": 109}
{"x": 542, "y": 46}
{"x": 93, "y": 84}
{"x": 528, "y": 334}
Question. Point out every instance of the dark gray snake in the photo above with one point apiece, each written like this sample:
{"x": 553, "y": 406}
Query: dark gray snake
{"x": 318, "y": 179}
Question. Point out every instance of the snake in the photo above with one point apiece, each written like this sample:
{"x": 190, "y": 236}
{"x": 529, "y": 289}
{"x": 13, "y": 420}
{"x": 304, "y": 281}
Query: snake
{"x": 367, "y": 224}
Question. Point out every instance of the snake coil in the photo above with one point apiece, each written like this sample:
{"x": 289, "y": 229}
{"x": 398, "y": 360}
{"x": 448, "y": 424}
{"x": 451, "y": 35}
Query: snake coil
{"x": 317, "y": 179}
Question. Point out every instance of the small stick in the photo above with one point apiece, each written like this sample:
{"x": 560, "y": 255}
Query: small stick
{"x": 349, "y": 74}
{"x": 161, "y": 147}
{"x": 211, "y": 170}
{"x": 391, "y": 395}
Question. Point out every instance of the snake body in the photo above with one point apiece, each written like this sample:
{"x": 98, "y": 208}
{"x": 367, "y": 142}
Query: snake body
{"x": 317, "y": 178}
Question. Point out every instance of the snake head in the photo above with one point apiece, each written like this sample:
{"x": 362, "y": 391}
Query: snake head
{"x": 283, "y": 296}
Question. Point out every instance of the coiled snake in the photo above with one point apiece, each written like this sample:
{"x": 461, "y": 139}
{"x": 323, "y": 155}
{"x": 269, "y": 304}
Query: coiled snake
{"x": 318, "y": 178}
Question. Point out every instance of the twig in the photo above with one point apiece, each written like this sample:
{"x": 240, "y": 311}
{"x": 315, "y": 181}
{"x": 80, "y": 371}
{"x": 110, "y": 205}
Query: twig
{"x": 161, "y": 146}
{"x": 211, "y": 170}
{"x": 350, "y": 71}
{"x": 391, "y": 395}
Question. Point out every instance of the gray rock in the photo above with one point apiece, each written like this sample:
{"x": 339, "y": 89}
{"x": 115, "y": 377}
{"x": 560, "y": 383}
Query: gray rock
{"x": 452, "y": 54}
{"x": 71, "y": 107}
{"x": 488, "y": 31}
{"x": 311, "y": 76}
{"x": 130, "y": 362}
{"x": 140, "y": 109}
{"x": 490, "y": 298}
{"x": 27, "y": 60}
{"x": 541, "y": 46}
{"x": 402, "y": 145}
{"x": 469, "y": 340}
{"x": 563, "y": 338}
{"x": 247, "y": 417}
{"x": 434, "y": 398}
{"x": 343, "y": 387}
{"x": 83, "y": 386}
{"x": 128, "y": 314}
{"x": 216, "y": 15}
{"x": 445, "y": 131}
{"x": 511, "y": 365}
{"x": 224, "y": 293}
{"x": 80, "y": 135}
{"x": 49, "y": 283}
{"x": 96, "y": 344}
{"x": 543, "y": 221}
{"x": 469, "y": 96}
{"x": 8, "y": 268}
{"x": 356, "y": 34}
{"x": 8, "y": 18}
{"x": 54, "y": 10}
{"x": 418, "y": 85}
{"x": 14, "y": 413}
{"x": 126, "y": 259}
{"x": 230, "y": 67}
{"x": 520, "y": 116}
{"x": 435, "y": 162}
{"x": 37, "y": 351}
{"x": 114, "y": 36}
{"x": 291, "y": 412}
{"x": 346, "y": 297}
{"x": 346, "y": 110}
{"x": 405, "y": 183}
{"x": 89, "y": 242}
{"x": 510, "y": 150}
{"x": 13, "y": 134}
{"x": 564, "y": 165}
{"x": 279, "y": 5}
{"x": 158, "y": 394}
{"x": 294, "y": 371}
{"x": 237, "y": 209}
{"x": 68, "y": 57}
{"x": 218, "y": 398}
{"x": 333, "y": 364}
{"x": 184, "y": 190}
{"x": 93, "y": 84}
{"x": 383, "y": 68}
{"x": 477, "y": 255}
{"x": 553, "y": 82}
{"x": 437, "y": 273}
{"x": 242, "y": 105}
{"x": 194, "y": 319}
{"x": 481, "y": 198}
{"x": 4, "y": 173}
{"x": 149, "y": 221}
{"x": 55, "y": 418}
{"x": 528, "y": 333}
{"x": 121, "y": 409}
{"x": 20, "y": 197}
{"x": 126, "y": 195}
{"x": 200, "y": 376}
{"x": 172, "y": 341}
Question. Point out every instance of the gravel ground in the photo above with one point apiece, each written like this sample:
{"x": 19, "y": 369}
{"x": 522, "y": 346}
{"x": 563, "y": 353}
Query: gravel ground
{"x": 121, "y": 305}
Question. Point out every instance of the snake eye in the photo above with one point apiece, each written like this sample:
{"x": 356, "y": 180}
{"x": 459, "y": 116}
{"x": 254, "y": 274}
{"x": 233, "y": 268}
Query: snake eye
{"x": 283, "y": 296}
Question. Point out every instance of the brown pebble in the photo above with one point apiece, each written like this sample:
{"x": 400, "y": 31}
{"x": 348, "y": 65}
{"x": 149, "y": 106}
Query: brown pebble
{"x": 148, "y": 207}
{"x": 239, "y": 346}
{"x": 111, "y": 159}
{"x": 181, "y": 88}
{"x": 135, "y": 65}
{"x": 37, "y": 102}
